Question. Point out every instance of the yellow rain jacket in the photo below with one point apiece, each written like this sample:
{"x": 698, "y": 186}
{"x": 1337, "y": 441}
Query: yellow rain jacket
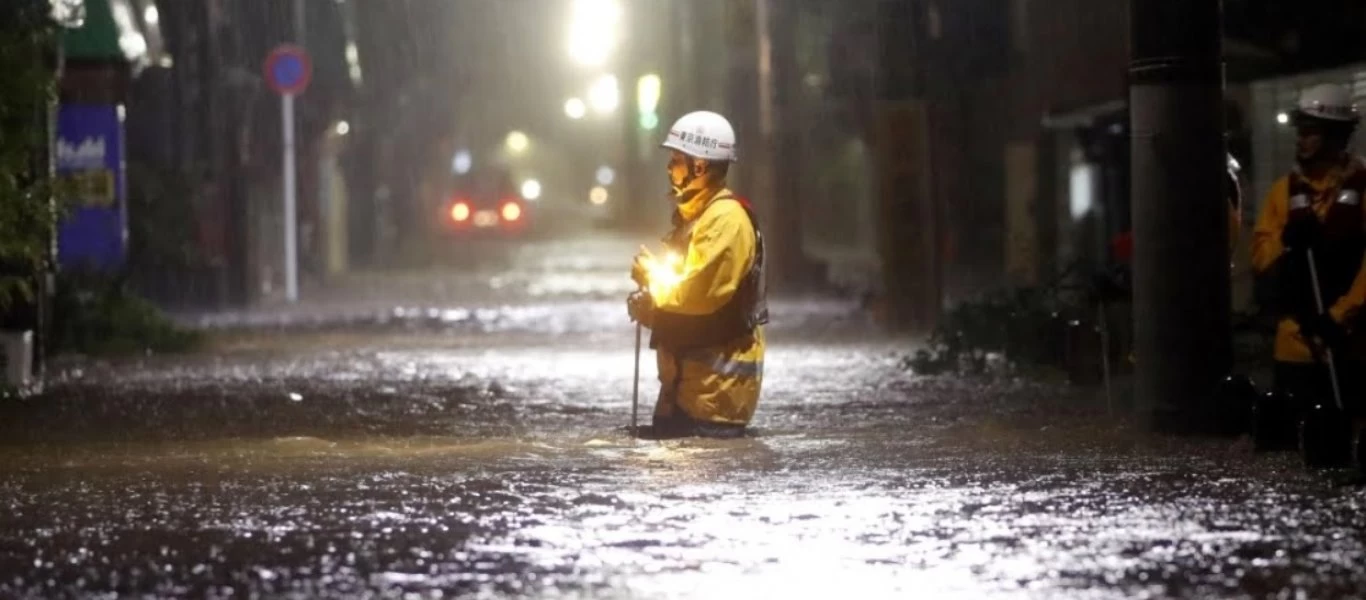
{"x": 718, "y": 382}
{"x": 1336, "y": 200}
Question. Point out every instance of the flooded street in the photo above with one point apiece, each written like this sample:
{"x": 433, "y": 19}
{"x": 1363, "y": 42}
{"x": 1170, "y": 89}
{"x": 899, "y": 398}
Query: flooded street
{"x": 453, "y": 432}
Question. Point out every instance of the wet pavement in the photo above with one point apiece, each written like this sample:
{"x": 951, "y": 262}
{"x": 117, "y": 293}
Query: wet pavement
{"x": 459, "y": 432}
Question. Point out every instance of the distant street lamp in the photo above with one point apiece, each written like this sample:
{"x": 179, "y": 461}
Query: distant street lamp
{"x": 462, "y": 162}
{"x": 606, "y": 175}
{"x": 648, "y": 90}
{"x": 598, "y": 196}
{"x": 605, "y": 95}
{"x": 518, "y": 142}
{"x": 531, "y": 189}
{"x": 575, "y": 109}
{"x": 593, "y": 31}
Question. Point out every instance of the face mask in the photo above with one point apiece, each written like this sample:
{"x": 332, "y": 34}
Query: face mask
{"x": 690, "y": 187}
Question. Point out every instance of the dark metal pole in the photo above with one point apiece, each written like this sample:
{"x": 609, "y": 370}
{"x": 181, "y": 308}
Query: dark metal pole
{"x": 637, "y": 205}
{"x": 909, "y": 219}
{"x": 1183, "y": 343}
{"x": 300, "y": 24}
{"x": 781, "y": 114}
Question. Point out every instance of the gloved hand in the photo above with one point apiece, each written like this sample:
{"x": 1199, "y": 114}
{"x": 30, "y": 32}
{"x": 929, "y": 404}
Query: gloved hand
{"x": 639, "y": 274}
{"x": 1325, "y": 328}
{"x": 641, "y": 307}
{"x": 1301, "y": 230}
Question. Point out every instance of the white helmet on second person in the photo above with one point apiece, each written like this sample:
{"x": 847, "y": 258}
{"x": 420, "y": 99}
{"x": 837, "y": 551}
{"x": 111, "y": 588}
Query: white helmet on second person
{"x": 1328, "y": 102}
{"x": 704, "y": 135}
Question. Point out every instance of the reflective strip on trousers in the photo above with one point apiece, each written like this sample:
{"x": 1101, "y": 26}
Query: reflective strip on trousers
{"x": 730, "y": 367}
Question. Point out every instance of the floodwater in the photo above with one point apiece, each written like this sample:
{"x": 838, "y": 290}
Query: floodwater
{"x": 463, "y": 433}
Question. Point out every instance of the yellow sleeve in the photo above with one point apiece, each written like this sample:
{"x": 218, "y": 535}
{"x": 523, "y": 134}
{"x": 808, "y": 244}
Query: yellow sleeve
{"x": 1266, "y": 235}
{"x": 719, "y": 255}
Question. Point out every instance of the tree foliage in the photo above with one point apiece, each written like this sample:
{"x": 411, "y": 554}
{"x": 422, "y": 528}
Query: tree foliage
{"x": 28, "y": 38}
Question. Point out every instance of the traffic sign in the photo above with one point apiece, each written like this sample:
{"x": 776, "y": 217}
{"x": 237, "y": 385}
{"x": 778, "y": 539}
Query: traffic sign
{"x": 288, "y": 70}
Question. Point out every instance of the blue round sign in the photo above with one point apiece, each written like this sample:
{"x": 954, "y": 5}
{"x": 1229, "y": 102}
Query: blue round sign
{"x": 288, "y": 69}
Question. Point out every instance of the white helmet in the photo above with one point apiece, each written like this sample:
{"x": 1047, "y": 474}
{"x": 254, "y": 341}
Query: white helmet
{"x": 1330, "y": 102}
{"x": 705, "y": 135}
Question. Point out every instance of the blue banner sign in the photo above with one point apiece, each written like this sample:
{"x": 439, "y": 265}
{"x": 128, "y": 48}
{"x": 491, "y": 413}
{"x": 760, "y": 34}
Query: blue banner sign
{"x": 89, "y": 156}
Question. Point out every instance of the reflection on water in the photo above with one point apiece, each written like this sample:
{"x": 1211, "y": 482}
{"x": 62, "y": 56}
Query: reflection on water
{"x": 860, "y": 514}
{"x": 427, "y": 457}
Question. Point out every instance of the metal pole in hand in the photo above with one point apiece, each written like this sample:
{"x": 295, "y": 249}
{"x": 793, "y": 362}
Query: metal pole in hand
{"x": 1318, "y": 302}
{"x": 1102, "y": 317}
{"x": 635, "y": 388}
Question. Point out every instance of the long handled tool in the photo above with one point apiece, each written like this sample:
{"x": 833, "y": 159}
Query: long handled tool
{"x": 1102, "y": 318}
{"x": 635, "y": 388}
{"x": 1327, "y": 352}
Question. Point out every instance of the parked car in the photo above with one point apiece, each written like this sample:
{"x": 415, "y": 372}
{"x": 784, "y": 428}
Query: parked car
{"x": 484, "y": 203}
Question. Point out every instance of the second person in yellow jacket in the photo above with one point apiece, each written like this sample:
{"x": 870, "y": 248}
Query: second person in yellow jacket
{"x": 1316, "y": 211}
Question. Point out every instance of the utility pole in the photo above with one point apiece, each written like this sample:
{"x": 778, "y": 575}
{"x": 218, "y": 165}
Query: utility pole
{"x": 788, "y": 135}
{"x": 637, "y": 205}
{"x": 763, "y": 156}
{"x": 909, "y": 220}
{"x": 1183, "y": 342}
{"x": 779, "y": 147}
{"x": 222, "y": 124}
{"x": 300, "y": 24}
{"x": 744, "y": 64}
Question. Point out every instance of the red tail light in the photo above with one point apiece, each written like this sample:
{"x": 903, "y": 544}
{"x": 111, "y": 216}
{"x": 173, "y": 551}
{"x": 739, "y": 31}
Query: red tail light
{"x": 460, "y": 212}
{"x": 511, "y": 212}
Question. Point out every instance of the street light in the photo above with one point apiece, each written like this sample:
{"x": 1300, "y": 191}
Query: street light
{"x": 648, "y": 89}
{"x": 574, "y": 108}
{"x": 517, "y": 142}
{"x": 462, "y": 162}
{"x": 531, "y": 189}
{"x": 647, "y": 93}
{"x": 593, "y": 31}
{"x": 605, "y": 94}
{"x": 598, "y": 196}
{"x": 606, "y": 175}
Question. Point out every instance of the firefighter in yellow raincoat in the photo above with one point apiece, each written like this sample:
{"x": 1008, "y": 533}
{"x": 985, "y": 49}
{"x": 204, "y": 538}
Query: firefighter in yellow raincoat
{"x": 1316, "y": 211}
{"x": 704, "y": 299}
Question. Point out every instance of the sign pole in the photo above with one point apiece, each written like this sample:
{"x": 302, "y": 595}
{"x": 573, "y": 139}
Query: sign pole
{"x": 288, "y": 70}
{"x": 290, "y": 201}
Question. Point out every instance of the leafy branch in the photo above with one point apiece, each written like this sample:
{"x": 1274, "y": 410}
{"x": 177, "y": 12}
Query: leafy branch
{"x": 28, "y": 81}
